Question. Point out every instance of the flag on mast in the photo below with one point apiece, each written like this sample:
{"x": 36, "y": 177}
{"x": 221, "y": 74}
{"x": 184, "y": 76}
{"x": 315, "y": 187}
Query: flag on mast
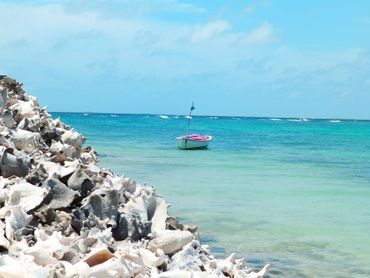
{"x": 191, "y": 109}
{"x": 192, "y": 106}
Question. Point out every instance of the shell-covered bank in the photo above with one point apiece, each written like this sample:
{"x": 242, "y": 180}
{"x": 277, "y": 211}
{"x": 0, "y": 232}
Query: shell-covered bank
{"x": 63, "y": 216}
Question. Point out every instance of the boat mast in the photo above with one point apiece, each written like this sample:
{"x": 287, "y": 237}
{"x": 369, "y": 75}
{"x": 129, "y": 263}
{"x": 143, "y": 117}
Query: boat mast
{"x": 191, "y": 110}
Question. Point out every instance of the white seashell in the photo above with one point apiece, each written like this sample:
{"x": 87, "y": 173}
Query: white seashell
{"x": 11, "y": 268}
{"x": 31, "y": 98}
{"x": 103, "y": 237}
{"x": 73, "y": 138}
{"x": 103, "y": 203}
{"x": 131, "y": 252}
{"x": 13, "y": 163}
{"x": 26, "y": 195}
{"x": 112, "y": 268}
{"x": 48, "y": 249}
{"x": 53, "y": 169}
{"x": 4, "y": 131}
{"x": 80, "y": 269}
{"x": 184, "y": 274}
{"x": 57, "y": 147}
{"x": 189, "y": 258}
{"x": 171, "y": 241}
{"x": 157, "y": 211}
{"x": 225, "y": 266}
{"x": 8, "y": 120}
{"x": 92, "y": 170}
{"x": 175, "y": 274}
{"x": 258, "y": 274}
{"x": 59, "y": 195}
{"x": 4, "y": 141}
{"x": 32, "y": 124}
{"x": 3, "y": 190}
{"x": 3, "y": 97}
{"x": 88, "y": 157}
{"x": 56, "y": 236}
{"x": 3, "y": 241}
{"x": 151, "y": 259}
{"x": 26, "y": 140}
{"x": 130, "y": 185}
{"x": 127, "y": 250}
{"x": 16, "y": 219}
{"x": 31, "y": 268}
{"x": 233, "y": 268}
{"x": 56, "y": 123}
{"x": 150, "y": 208}
{"x": 24, "y": 108}
{"x": 69, "y": 168}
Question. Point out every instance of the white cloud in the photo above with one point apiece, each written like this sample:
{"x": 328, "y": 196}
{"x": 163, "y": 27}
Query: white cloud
{"x": 132, "y": 9}
{"x": 262, "y": 34}
{"x": 209, "y": 31}
{"x": 148, "y": 53}
{"x": 362, "y": 19}
{"x": 182, "y": 7}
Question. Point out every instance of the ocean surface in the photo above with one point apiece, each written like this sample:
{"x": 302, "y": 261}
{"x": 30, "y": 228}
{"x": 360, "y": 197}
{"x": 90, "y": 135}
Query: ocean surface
{"x": 294, "y": 193}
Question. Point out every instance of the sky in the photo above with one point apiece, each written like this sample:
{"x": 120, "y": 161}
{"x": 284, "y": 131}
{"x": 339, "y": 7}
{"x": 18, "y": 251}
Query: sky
{"x": 249, "y": 58}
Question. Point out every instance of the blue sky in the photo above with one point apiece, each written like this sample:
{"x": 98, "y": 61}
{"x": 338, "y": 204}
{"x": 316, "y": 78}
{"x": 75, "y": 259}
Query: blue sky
{"x": 250, "y": 58}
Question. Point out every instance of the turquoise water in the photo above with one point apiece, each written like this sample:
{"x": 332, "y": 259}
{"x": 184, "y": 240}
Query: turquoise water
{"x": 295, "y": 194}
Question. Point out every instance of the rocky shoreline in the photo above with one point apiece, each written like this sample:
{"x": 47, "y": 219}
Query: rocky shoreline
{"x": 63, "y": 216}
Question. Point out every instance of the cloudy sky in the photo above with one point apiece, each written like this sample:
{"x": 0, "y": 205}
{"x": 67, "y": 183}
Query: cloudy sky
{"x": 251, "y": 58}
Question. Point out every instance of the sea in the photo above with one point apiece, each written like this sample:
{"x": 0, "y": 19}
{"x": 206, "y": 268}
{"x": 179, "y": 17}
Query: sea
{"x": 291, "y": 192}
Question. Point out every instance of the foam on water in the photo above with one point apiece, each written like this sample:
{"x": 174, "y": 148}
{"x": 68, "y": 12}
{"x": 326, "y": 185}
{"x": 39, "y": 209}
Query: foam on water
{"x": 299, "y": 120}
{"x": 293, "y": 195}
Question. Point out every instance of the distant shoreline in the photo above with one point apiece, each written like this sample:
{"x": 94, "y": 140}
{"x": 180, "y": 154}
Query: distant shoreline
{"x": 223, "y": 116}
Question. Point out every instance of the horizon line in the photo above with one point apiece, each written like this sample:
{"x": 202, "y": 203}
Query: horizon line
{"x": 206, "y": 115}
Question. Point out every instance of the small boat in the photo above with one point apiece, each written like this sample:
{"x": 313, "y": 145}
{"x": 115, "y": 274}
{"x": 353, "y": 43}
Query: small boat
{"x": 193, "y": 141}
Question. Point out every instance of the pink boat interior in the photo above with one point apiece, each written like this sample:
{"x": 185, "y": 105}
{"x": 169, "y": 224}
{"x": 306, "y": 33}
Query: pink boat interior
{"x": 195, "y": 137}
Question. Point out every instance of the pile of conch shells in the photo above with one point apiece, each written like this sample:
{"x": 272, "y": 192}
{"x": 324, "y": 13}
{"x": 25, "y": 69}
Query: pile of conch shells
{"x": 63, "y": 216}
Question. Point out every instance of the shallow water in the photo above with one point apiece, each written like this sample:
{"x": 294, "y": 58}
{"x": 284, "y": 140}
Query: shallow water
{"x": 289, "y": 192}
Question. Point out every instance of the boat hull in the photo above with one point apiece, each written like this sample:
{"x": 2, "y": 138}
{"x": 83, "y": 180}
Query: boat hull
{"x": 185, "y": 143}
